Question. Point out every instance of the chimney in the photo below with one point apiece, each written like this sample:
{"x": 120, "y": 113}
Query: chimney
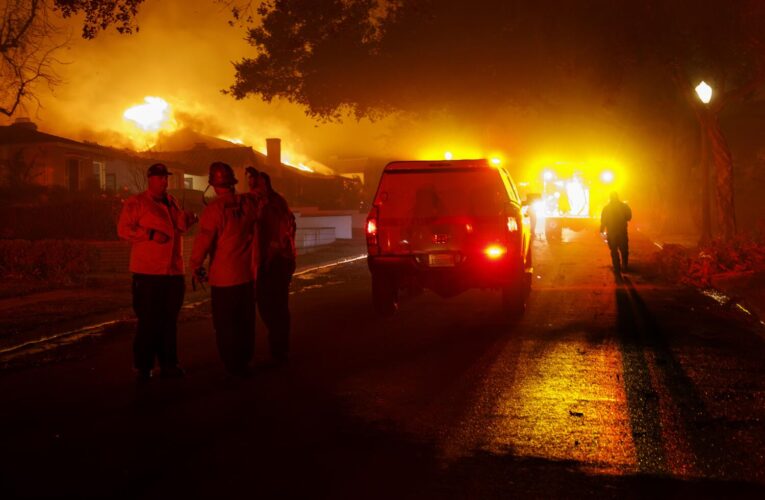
{"x": 25, "y": 123}
{"x": 274, "y": 152}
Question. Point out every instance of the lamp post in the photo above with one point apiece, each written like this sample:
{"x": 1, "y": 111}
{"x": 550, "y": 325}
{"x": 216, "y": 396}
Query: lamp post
{"x": 704, "y": 92}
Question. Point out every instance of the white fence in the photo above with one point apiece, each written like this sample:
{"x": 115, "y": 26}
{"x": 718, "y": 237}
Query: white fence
{"x": 308, "y": 239}
{"x": 341, "y": 223}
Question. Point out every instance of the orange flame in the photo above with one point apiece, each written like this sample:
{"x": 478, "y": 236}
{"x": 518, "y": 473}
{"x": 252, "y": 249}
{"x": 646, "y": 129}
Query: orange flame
{"x": 151, "y": 115}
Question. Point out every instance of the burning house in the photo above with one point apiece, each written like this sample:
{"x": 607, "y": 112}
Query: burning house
{"x": 55, "y": 187}
{"x": 298, "y": 183}
{"x": 31, "y": 157}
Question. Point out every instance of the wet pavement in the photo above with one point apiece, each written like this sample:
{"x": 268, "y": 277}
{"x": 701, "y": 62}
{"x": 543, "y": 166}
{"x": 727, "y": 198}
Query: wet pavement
{"x": 602, "y": 389}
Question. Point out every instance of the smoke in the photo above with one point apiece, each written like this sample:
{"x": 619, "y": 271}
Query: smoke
{"x": 183, "y": 53}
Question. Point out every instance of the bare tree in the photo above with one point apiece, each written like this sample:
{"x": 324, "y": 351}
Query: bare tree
{"x": 20, "y": 169}
{"x": 27, "y": 45}
{"x": 29, "y": 38}
{"x": 138, "y": 178}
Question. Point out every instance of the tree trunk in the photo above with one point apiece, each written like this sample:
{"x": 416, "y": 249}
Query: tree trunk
{"x": 706, "y": 202}
{"x": 723, "y": 163}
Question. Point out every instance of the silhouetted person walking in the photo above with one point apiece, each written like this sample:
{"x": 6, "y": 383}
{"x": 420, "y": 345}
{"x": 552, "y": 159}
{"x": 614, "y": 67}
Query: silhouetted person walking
{"x": 613, "y": 221}
{"x": 153, "y": 222}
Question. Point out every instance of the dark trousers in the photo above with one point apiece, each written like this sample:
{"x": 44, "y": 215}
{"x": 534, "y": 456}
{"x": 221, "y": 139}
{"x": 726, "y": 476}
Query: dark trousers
{"x": 233, "y": 311}
{"x": 619, "y": 243}
{"x": 273, "y": 292}
{"x": 157, "y": 300}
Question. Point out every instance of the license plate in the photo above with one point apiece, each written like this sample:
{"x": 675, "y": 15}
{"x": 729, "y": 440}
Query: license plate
{"x": 440, "y": 260}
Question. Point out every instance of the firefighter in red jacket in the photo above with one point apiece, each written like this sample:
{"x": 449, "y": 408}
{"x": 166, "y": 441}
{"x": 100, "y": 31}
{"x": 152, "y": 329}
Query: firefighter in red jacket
{"x": 276, "y": 264}
{"x": 228, "y": 234}
{"x": 154, "y": 223}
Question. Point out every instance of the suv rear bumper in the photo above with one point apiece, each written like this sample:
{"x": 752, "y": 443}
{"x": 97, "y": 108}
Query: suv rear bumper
{"x": 475, "y": 271}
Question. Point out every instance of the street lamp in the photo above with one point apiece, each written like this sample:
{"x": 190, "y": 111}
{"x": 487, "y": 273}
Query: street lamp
{"x": 704, "y": 91}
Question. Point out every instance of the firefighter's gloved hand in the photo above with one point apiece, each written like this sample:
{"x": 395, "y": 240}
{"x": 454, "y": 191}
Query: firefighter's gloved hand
{"x": 200, "y": 274}
{"x": 158, "y": 237}
{"x": 191, "y": 218}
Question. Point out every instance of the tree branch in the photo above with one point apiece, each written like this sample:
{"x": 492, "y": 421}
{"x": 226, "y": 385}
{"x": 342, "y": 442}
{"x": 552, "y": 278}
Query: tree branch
{"x": 740, "y": 93}
{"x": 12, "y": 40}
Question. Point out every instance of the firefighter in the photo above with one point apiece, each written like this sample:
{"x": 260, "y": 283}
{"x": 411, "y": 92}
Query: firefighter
{"x": 613, "y": 223}
{"x": 153, "y": 222}
{"x": 256, "y": 185}
{"x": 228, "y": 235}
{"x": 276, "y": 265}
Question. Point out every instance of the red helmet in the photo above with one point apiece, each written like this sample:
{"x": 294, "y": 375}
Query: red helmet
{"x": 221, "y": 175}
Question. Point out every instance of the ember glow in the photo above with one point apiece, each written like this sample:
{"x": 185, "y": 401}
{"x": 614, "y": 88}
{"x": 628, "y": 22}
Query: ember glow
{"x": 300, "y": 165}
{"x": 232, "y": 140}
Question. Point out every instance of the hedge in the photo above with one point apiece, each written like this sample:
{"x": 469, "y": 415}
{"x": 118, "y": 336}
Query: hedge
{"x": 58, "y": 261}
{"x": 77, "y": 219}
{"x": 743, "y": 253}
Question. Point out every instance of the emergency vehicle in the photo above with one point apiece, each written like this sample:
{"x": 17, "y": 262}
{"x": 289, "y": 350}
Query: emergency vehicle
{"x": 448, "y": 226}
{"x": 568, "y": 195}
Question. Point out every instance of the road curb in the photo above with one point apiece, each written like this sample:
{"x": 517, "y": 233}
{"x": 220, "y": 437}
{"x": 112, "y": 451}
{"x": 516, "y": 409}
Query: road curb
{"x": 87, "y": 330}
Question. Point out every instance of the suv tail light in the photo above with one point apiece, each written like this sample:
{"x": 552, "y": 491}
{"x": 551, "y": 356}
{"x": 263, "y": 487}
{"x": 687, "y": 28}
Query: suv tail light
{"x": 495, "y": 251}
{"x": 371, "y": 228}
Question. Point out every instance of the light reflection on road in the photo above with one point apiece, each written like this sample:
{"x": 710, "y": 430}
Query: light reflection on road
{"x": 558, "y": 394}
{"x": 588, "y": 378}
{"x": 567, "y": 403}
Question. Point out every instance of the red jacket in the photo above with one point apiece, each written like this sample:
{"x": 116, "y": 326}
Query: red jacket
{"x": 277, "y": 229}
{"x": 228, "y": 234}
{"x": 140, "y": 214}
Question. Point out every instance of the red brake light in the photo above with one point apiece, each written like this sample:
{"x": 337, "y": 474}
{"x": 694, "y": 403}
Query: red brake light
{"x": 371, "y": 227}
{"x": 372, "y": 230}
{"x": 495, "y": 251}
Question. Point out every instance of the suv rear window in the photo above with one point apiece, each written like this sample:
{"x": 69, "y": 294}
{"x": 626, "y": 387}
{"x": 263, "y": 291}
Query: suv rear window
{"x": 441, "y": 192}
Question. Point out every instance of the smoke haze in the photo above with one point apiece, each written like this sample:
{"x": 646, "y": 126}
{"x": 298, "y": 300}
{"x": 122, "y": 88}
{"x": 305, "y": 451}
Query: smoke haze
{"x": 184, "y": 51}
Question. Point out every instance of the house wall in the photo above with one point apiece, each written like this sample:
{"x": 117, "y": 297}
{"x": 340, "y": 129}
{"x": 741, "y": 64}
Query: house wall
{"x": 51, "y": 168}
{"x": 199, "y": 182}
{"x": 130, "y": 174}
{"x": 49, "y": 165}
{"x": 42, "y": 171}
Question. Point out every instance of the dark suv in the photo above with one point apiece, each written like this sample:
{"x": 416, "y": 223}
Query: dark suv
{"x": 447, "y": 226}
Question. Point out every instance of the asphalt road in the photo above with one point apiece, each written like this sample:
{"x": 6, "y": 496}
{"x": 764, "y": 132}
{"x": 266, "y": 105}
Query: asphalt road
{"x": 600, "y": 390}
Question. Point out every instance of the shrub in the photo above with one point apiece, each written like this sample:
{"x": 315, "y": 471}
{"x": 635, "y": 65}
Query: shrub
{"x": 57, "y": 261}
{"x": 673, "y": 262}
{"x": 745, "y": 252}
{"x": 84, "y": 218}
